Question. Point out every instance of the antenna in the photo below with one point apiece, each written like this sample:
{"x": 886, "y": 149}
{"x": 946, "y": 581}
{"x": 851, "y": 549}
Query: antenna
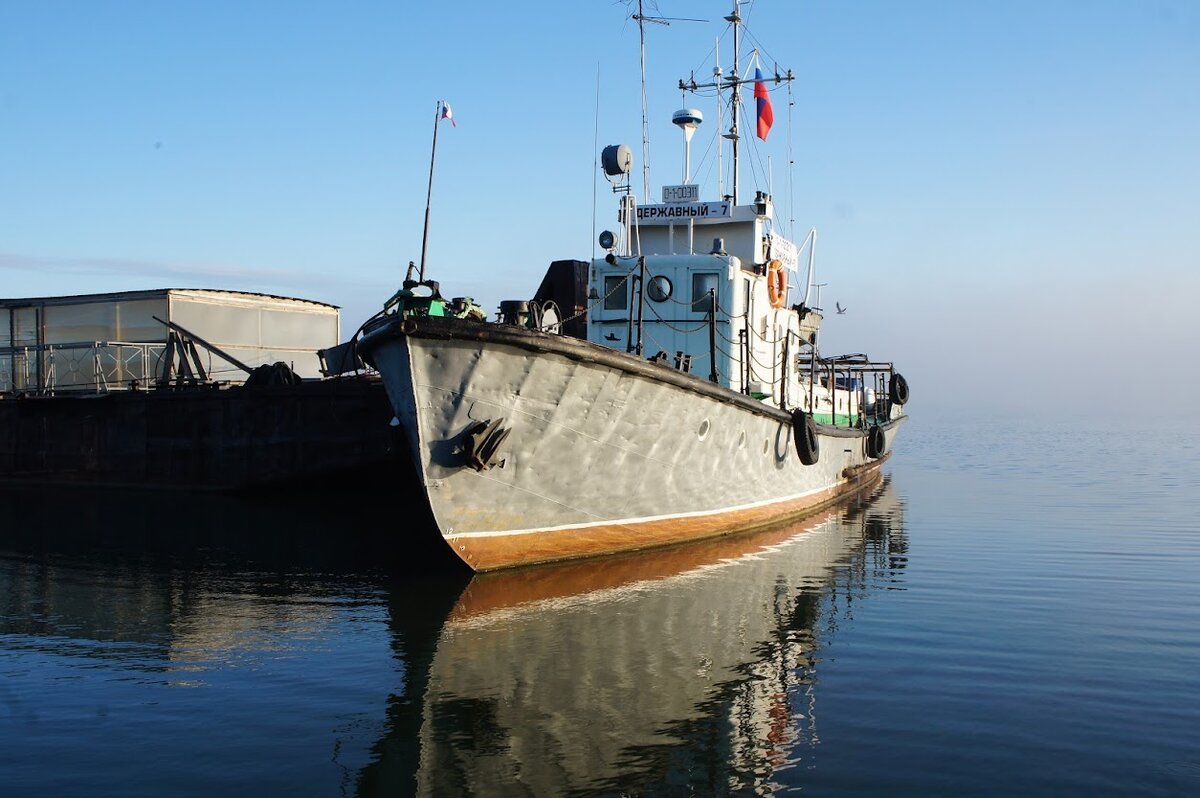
{"x": 595, "y": 148}
{"x": 641, "y": 19}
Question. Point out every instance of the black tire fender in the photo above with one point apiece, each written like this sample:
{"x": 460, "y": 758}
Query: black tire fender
{"x": 876, "y": 443}
{"x": 898, "y": 390}
{"x": 804, "y": 431}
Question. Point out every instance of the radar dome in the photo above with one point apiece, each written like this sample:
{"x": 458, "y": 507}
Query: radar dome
{"x": 687, "y": 117}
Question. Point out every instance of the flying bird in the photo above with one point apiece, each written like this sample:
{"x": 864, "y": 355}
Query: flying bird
{"x": 840, "y": 309}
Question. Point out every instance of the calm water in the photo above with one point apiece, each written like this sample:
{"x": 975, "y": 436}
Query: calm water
{"x": 1016, "y": 611}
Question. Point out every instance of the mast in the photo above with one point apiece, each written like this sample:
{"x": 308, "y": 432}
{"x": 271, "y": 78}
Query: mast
{"x": 720, "y": 147}
{"x": 735, "y": 19}
{"x": 733, "y": 81}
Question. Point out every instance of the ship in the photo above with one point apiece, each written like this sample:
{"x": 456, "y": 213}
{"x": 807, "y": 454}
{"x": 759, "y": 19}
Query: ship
{"x": 669, "y": 391}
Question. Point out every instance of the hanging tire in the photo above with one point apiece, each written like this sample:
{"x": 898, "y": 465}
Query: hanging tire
{"x": 804, "y": 431}
{"x": 898, "y": 390}
{"x": 876, "y": 443}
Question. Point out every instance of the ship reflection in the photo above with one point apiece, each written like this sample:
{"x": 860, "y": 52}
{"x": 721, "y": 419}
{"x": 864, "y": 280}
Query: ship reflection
{"x": 691, "y": 668}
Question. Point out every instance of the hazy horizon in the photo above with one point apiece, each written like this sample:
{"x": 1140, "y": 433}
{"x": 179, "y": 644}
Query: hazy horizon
{"x": 1005, "y": 195}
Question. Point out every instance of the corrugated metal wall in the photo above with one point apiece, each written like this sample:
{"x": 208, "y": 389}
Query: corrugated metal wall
{"x": 77, "y": 343}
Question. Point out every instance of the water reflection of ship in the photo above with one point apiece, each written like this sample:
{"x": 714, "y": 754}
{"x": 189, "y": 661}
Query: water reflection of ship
{"x": 164, "y": 572}
{"x": 693, "y": 666}
{"x": 152, "y": 592}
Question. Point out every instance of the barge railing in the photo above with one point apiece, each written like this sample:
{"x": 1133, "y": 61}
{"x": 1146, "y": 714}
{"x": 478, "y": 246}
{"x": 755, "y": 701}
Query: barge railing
{"x": 78, "y": 367}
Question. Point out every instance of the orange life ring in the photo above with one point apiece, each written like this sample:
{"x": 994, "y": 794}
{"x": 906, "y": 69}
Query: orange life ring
{"x": 776, "y": 284}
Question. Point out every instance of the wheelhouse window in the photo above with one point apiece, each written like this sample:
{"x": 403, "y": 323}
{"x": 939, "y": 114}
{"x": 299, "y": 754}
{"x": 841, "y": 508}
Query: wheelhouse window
{"x": 616, "y": 292}
{"x": 702, "y": 283}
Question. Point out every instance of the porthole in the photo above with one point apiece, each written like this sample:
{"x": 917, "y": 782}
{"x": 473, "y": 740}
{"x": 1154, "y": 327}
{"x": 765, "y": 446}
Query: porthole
{"x": 702, "y": 431}
{"x": 659, "y": 288}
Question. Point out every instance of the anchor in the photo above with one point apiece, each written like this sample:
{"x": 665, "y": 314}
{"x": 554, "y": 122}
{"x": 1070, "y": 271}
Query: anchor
{"x": 482, "y": 442}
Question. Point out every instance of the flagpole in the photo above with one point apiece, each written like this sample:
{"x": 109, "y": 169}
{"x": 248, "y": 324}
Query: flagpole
{"x": 437, "y": 115}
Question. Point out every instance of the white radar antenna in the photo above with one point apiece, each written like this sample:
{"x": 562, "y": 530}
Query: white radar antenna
{"x": 687, "y": 120}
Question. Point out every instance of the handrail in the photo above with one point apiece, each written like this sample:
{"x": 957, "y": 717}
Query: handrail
{"x": 99, "y": 366}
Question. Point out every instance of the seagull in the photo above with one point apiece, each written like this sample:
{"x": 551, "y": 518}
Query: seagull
{"x": 840, "y": 309}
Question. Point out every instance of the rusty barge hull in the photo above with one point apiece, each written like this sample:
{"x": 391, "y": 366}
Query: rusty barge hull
{"x": 203, "y": 438}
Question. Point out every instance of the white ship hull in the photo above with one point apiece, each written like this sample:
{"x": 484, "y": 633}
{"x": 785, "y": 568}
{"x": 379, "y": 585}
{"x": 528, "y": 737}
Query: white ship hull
{"x": 604, "y": 453}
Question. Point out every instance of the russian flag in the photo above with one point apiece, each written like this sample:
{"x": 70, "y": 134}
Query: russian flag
{"x": 448, "y": 114}
{"x": 766, "y": 117}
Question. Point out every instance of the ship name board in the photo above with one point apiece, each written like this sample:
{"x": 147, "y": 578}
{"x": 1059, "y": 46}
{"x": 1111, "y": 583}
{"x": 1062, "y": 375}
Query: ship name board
{"x": 670, "y": 214}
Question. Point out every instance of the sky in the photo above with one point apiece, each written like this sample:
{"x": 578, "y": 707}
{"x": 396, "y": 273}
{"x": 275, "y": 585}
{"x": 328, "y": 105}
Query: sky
{"x": 1007, "y": 195}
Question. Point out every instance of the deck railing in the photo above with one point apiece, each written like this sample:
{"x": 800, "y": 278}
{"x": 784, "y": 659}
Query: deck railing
{"x": 865, "y": 380}
{"x": 85, "y": 366}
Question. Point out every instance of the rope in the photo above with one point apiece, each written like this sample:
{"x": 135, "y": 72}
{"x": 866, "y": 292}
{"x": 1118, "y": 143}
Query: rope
{"x": 699, "y": 325}
{"x": 657, "y": 342}
{"x": 599, "y": 302}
